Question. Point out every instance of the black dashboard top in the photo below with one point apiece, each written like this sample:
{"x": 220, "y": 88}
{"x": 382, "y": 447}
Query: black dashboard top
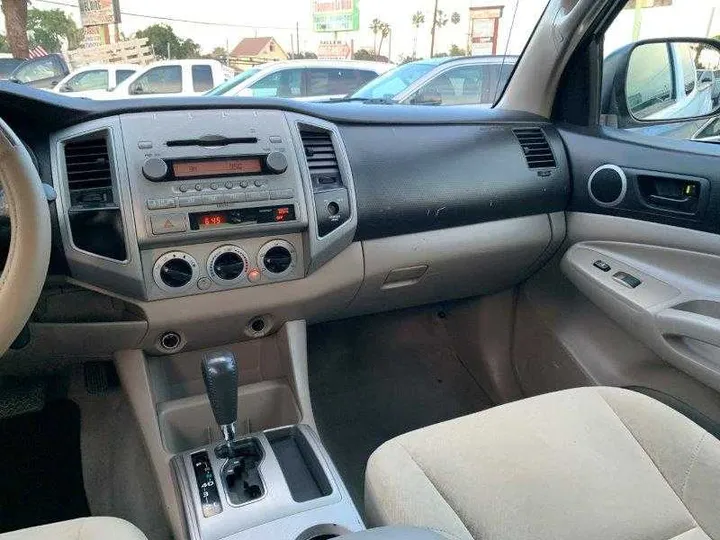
{"x": 29, "y": 108}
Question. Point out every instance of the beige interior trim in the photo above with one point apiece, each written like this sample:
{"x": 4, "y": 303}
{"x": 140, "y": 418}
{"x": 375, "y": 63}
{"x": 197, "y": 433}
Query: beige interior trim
{"x": 26, "y": 267}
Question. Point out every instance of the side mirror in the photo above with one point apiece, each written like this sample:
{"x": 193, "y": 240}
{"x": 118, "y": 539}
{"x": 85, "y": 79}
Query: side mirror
{"x": 659, "y": 81}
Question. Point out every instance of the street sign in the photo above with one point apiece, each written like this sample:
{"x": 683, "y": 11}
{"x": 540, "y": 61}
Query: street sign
{"x": 334, "y": 50}
{"x": 336, "y": 15}
{"x": 99, "y": 12}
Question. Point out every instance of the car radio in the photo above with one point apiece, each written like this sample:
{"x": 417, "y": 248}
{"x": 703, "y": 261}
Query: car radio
{"x": 187, "y": 182}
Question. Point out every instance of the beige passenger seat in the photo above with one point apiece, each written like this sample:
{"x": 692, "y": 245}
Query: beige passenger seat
{"x": 590, "y": 463}
{"x": 93, "y": 528}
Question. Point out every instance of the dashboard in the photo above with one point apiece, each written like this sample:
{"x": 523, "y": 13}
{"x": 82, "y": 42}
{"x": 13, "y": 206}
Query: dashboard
{"x": 213, "y": 220}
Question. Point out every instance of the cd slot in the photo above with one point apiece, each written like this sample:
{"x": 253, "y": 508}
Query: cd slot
{"x": 212, "y": 140}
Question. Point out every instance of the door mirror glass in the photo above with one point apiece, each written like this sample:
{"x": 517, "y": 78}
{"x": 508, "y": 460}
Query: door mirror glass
{"x": 672, "y": 80}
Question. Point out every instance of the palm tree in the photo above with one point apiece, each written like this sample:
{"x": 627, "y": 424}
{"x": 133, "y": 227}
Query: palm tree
{"x": 16, "y": 13}
{"x": 375, "y": 26}
{"x": 384, "y": 33}
{"x": 418, "y": 19}
{"x": 440, "y": 21}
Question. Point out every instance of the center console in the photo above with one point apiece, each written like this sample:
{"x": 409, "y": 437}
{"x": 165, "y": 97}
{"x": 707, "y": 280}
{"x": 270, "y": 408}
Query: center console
{"x": 279, "y": 483}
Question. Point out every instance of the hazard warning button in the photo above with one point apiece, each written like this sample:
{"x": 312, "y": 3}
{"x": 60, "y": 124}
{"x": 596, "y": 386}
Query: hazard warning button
{"x": 168, "y": 223}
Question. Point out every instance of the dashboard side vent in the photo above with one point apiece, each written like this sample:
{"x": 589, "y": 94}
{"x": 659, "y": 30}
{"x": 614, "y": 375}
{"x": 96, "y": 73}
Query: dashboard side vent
{"x": 536, "y": 148}
{"x": 319, "y": 151}
{"x": 88, "y": 167}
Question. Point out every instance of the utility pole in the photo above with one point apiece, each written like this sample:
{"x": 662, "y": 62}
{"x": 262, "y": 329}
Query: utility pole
{"x": 297, "y": 37}
{"x": 390, "y": 45}
{"x": 292, "y": 47}
{"x": 169, "y": 51}
{"x": 432, "y": 30}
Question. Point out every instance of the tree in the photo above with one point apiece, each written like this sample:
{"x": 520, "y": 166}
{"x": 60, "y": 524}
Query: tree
{"x": 219, "y": 53}
{"x": 439, "y": 20}
{"x": 166, "y": 44}
{"x": 49, "y": 28}
{"x": 418, "y": 19}
{"x": 455, "y": 18}
{"x": 384, "y": 33}
{"x": 4, "y": 47}
{"x": 364, "y": 54}
{"x": 457, "y": 51}
{"x": 306, "y": 55}
{"x": 15, "y": 13}
{"x": 375, "y": 26}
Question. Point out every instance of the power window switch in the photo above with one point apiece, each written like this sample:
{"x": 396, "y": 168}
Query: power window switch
{"x": 602, "y": 265}
{"x": 626, "y": 279}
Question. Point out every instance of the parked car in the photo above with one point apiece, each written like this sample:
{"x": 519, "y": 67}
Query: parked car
{"x": 460, "y": 80}
{"x": 44, "y": 72}
{"x": 8, "y": 65}
{"x": 306, "y": 80}
{"x": 91, "y": 81}
{"x": 171, "y": 78}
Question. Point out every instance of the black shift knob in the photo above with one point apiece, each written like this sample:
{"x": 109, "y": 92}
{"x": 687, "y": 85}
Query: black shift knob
{"x": 220, "y": 373}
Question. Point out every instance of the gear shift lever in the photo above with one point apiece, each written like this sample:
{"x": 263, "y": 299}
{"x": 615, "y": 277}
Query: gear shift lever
{"x": 220, "y": 373}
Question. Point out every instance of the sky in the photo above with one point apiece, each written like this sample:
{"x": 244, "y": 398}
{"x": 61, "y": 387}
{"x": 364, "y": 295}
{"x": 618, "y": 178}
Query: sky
{"x": 279, "y": 17}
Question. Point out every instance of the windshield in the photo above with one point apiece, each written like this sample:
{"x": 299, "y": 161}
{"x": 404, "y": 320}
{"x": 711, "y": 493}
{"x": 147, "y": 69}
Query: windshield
{"x": 374, "y": 51}
{"x": 393, "y": 82}
{"x": 225, "y": 87}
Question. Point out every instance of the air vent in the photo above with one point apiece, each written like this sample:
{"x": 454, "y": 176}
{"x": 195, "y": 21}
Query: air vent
{"x": 88, "y": 164}
{"x": 535, "y": 146}
{"x": 319, "y": 151}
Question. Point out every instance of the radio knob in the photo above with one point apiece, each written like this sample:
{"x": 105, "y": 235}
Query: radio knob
{"x": 155, "y": 169}
{"x": 276, "y": 163}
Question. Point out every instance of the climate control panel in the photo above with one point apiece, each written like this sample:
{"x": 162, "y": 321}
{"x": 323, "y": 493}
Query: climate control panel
{"x": 201, "y": 268}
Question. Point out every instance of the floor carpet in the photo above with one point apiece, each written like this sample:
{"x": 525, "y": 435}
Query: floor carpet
{"x": 375, "y": 377}
{"x": 40, "y": 467}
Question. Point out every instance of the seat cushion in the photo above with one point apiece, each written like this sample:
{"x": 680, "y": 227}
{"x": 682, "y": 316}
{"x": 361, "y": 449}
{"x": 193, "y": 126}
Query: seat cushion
{"x": 94, "y": 528}
{"x": 590, "y": 463}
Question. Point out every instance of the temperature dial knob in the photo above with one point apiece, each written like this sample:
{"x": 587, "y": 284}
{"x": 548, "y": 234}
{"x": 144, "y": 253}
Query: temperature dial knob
{"x": 155, "y": 169}
{"x": 276, "y": 163}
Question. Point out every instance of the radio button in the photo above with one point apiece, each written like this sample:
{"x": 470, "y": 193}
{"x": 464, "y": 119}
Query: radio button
{"x": 235, "y": 197}
{"x": 259, "y": 183}
{"x": 229, "y": 185}
{"x": 244, "y": 184}
{"x": 184, "y": 189}
{"x": 275, "y": 139}
{"x": 153, "y": 204}
{"x": 213, "y": 199}
{"x": 214, "y": 186}
{"x": 190, "y": 201}
{"x": 258, "y": 196}
{"x": 282, "y": 194}
{"x": 168, "y": 223}
{"x": 198, "y": 187}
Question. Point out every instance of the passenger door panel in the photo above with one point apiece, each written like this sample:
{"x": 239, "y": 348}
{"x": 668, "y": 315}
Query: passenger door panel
{"x": 656, "y": 233}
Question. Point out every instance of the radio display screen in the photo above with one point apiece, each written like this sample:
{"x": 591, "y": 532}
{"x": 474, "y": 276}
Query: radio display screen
{"x": 212, "y": 220}
{"x": 216, "y": 167}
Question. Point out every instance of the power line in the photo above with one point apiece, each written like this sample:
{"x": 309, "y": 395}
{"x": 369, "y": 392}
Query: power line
{"x": 173, "y": 19}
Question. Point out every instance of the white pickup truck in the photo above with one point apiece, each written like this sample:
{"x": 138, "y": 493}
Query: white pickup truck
{"x": 171, "y": 78}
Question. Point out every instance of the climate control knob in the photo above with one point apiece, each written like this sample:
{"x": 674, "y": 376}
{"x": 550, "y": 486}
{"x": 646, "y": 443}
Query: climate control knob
{"x": 175, "y": 271}
{"x": 155, "y": 169}
{"x": 276, "y": 163}
{"x": 227, "y": 265}
{"x": 277, "y": 258}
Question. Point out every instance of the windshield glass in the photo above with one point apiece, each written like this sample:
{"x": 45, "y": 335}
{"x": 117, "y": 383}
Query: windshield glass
{"x": 225, "y": 87}
{"x": 393, "y": 82}
{"x": 367, "y": 50}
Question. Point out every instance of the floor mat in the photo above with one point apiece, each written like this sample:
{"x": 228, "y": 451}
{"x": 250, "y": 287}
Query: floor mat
{"x": 373, "y": 378}
{"x": 40, "y": 469}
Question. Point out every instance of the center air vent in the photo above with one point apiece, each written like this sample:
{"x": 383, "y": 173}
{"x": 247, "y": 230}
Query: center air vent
{"x": 87, "y": 163}
{"x": 319, "y": 151}
{"x": 535, "y": 146}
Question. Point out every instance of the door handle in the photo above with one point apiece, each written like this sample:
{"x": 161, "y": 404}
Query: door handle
{"x": 676, "y": 322}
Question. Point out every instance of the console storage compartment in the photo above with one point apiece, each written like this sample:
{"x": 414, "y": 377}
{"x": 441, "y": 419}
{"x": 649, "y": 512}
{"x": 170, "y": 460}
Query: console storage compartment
{"x": 303, "y": 473}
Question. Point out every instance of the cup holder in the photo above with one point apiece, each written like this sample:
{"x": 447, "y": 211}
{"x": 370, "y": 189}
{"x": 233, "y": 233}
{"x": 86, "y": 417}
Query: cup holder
{"x": 323, "y": 532}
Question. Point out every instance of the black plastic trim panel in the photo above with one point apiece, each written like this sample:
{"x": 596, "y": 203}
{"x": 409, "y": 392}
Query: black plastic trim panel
{"x": 410, "y": 179}
{"x": 588, "y": 148}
